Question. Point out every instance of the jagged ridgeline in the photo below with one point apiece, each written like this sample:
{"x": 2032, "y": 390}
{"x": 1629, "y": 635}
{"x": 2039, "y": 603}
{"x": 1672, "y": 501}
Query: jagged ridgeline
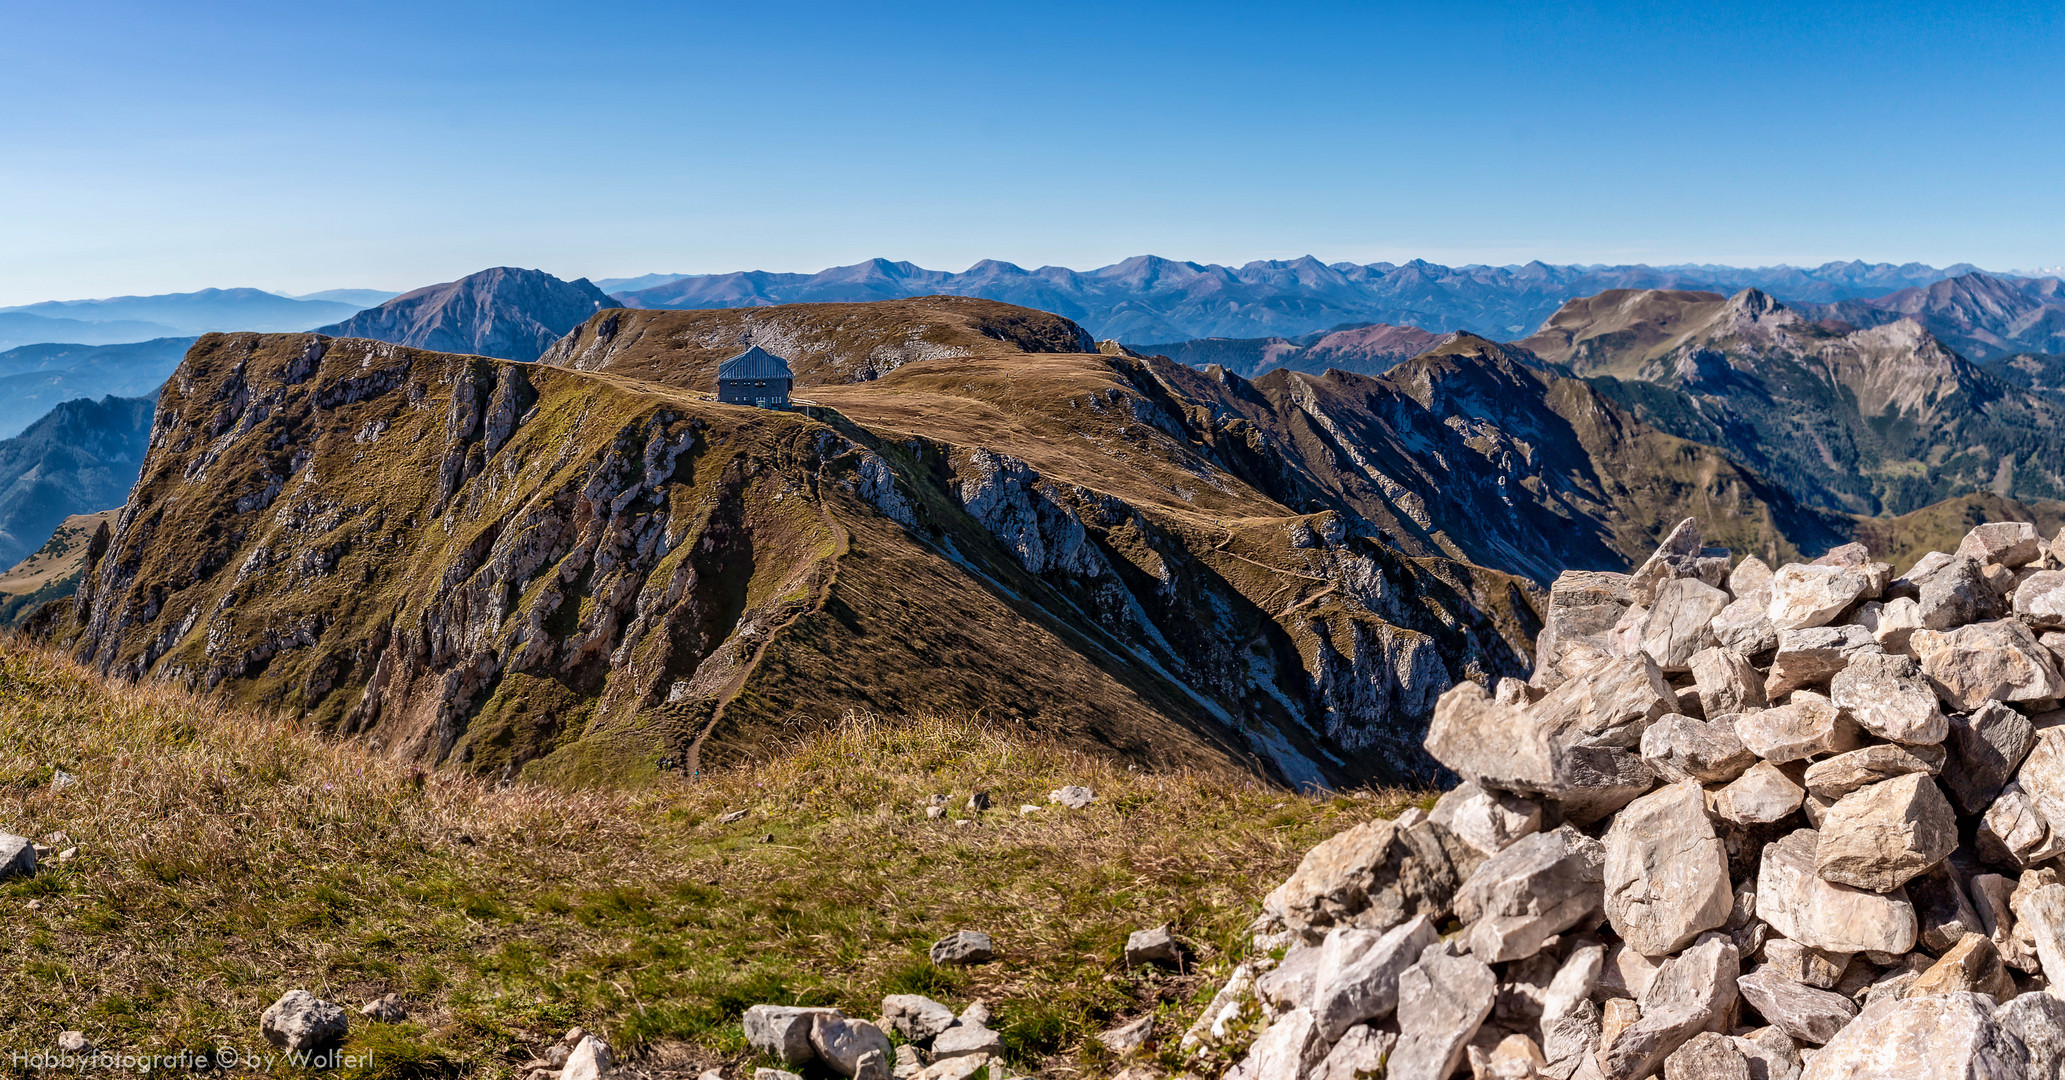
{"x": 576, "y": 575}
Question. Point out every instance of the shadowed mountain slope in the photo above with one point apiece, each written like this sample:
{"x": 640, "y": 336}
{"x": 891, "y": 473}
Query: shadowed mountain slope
{"x": 505, "y": 312}
{"x": 78, "y": 459}
{"x": 1879, "y": 420}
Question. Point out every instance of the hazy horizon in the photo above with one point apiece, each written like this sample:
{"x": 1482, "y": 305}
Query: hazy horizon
{"x": 308, "y": 149}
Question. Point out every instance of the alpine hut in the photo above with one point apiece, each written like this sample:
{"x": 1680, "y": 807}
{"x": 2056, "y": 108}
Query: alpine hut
{"x": 755, "y": 377}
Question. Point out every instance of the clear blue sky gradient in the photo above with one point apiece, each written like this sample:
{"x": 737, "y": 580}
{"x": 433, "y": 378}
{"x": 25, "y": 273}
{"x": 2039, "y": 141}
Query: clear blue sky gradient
{"x": 149, "y": 147}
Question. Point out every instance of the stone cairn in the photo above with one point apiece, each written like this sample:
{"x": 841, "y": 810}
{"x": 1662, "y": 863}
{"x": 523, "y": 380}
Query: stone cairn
{"x": 1741, "y": 823}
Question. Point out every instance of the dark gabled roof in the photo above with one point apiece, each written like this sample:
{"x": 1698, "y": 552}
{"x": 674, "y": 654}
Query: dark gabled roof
{"x": 754, "y": 363}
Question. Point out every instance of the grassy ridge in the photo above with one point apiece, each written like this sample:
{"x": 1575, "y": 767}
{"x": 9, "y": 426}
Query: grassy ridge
{"x": 226, "y": 856}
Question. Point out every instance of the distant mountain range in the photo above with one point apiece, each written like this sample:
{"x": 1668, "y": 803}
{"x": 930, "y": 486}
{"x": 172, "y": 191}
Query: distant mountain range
{"x": 1983, "y": 316}
{"x": 188, "y": 314}
{"x": 1149, "y": 298}
{"x": 80, "y": 458}
{"x": 1885, "y": 419}
{"x": 35, "y": 378}
{"x": 505, "y": 312}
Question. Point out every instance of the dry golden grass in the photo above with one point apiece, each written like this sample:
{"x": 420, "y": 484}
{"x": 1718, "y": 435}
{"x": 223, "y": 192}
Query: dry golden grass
{"x": 226, "y": 856}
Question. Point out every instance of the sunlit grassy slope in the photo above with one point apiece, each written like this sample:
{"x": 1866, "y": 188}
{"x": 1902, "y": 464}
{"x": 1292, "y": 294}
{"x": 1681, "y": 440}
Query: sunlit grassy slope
{"x": 226, "y": 856}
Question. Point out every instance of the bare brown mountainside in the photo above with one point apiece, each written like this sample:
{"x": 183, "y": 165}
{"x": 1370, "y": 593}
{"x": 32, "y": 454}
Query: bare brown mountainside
{"x": 503, "y": 312}
{"x": 575, "y": 575}
{"x": 824, "y": 343}
{"x": 579, "y": 573}
{"x": 1882, "y": 420}
{"x": 1365, "y": 350}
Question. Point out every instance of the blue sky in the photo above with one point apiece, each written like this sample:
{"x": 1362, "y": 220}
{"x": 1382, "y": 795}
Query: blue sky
{"x": 149, "y": 147}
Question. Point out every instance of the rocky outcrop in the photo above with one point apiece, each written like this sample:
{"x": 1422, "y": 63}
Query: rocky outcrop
{"x": 1797, "y": 895}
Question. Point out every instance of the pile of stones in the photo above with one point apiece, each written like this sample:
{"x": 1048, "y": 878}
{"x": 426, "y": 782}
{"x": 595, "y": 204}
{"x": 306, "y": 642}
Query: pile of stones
{"x": 1740, "y": 823}
{"x": 937, "y": 1043}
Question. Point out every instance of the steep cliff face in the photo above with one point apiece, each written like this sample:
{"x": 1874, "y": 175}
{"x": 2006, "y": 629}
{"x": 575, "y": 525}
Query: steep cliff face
{"x": 1477, "y": 452}
{"x": 536, "y": 570}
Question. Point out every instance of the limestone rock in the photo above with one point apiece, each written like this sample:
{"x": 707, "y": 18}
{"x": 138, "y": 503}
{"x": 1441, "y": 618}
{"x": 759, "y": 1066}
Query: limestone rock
{"x": 916, "y": 1017}
{"x": 2038, "y": 1020}
{"x": 1537, "y": 888}
{"x": 1745, "y": 625}
{"x": 2040, "y": 917}
{"x": 1772, "y": 1050}
{"x": 1583, "y": 607}
{"x": 1943, "y": 914}
{"x": 1837, "y": 776}
{"x": 2042, "y": 776}
{"x": 1570, "y": 1019}
{"x": 1489, "y": 821}
{"x": 2015, "y": 831}
{"x": 301, "y": 1021}
{"x": 1941, "y": 1037}
{"x": 1810, "y": 657}
{"x": 1515, "y": 1057}
{"x": 1999, "y": 660}
{"x": 1799, "y": 904}
{"x": 1788, "y": 959}
{"x": 1291, "y": 1049}
{"x": 1678, "y": 748}
{"x": 1807, "y": 595}
{"x": 1749, "y": 576}
{"x": 2007, "y": 543}
{"x": 1375, "y": 875}
{"x": 1359, "y": 1054}
{"x": 1351, "y": 989}
{"x": 1693, "y": 992}
{"x": 966, "y": 1040}
{"x": 840, "y": 1042}
{"x": 1893, "y": 622}
{"x": 1972, "y": 965}
{"x": 1609, "y": 705}
{"x": 1442, "y": 1000}
{"x": 17, "y": 855}
{"x": 963, "y": 947}
{"x": 1986, "y": 746}
{"x": 1807, "y": 725}
{"x": 1727, "y": 681}
{"x": 1709, "y": 1056}
{"x": 1760, "y": 796}
{"x": 590, "y": 1060}
{"x": 1889, "y": 697}
{"x": 1680, "y": 622}
{"x": 1951, "y": 591}
{"x": 1666, "y": 875}
{"x": 1809, "y": 1015}
{"x": 1676, "y": 557}
{"x": 1290, "y": 984}
{"x": 1489, "y": 744}
{"x": 1073, "y": 797}
{"x": 1882, "y": 834}
{"x": 1152, "y": 946}
{"x": 783, "y": 1031}
{"x": 2040, "y": 600}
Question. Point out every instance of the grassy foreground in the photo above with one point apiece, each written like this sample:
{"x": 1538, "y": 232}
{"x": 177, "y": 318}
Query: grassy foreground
{"x": 226, "y": 856}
